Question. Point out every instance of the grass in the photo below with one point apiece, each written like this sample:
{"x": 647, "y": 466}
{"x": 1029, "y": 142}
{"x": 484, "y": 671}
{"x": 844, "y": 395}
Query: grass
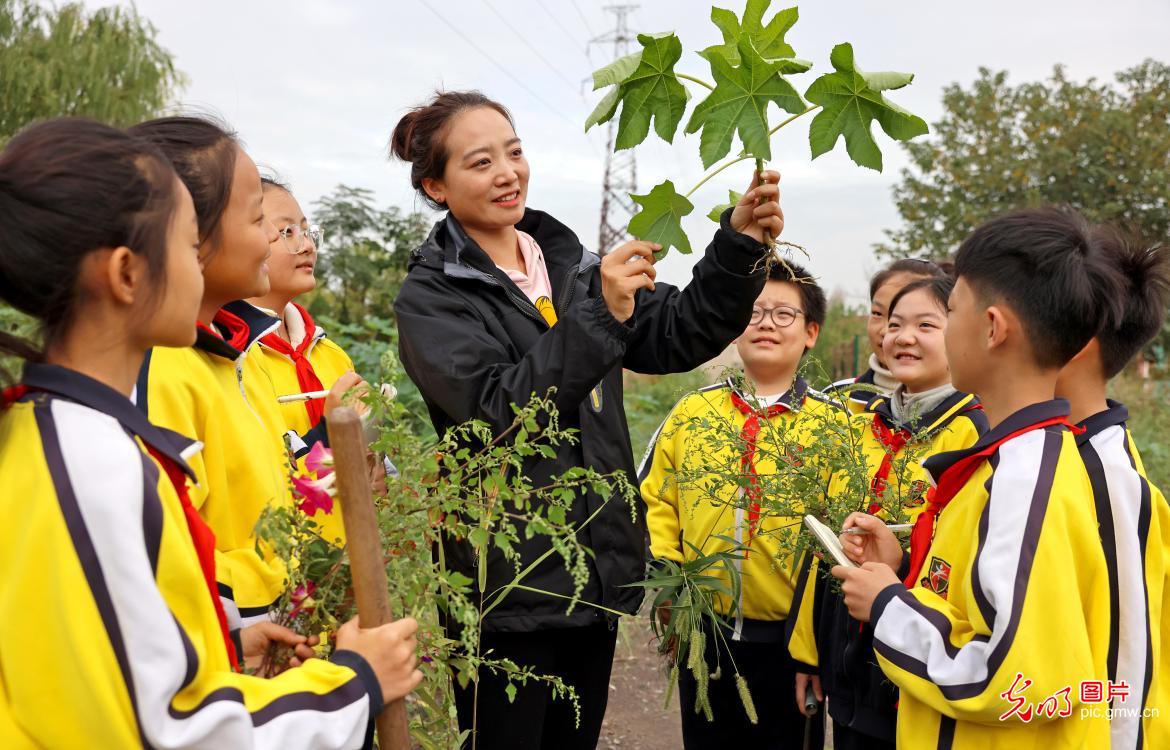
{"x": 1149, "y": 420}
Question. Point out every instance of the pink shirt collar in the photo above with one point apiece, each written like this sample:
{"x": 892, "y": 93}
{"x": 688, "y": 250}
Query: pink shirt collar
{"x": 533, "y": 281}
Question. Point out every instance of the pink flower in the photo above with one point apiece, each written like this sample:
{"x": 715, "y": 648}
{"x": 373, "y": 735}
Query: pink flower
{"x": 315, "y": 494}
{"x": 319, "y": 460}
{"x": 302, "y": 599}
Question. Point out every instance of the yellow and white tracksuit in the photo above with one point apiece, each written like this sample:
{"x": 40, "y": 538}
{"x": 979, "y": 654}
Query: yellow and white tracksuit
{"x": 1134, "y": 519}
{"x": 695, "y": 514}
{"x": 109, "y": 636}
{"x": 319, "y": 356}
{"x": 1011, "y": 611}
{"x": 221, "y": 396}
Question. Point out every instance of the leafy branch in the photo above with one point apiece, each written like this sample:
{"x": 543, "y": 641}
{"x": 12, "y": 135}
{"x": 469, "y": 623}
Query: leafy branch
{"x": 469, "y": 489}
{"x": 750, "y": 69}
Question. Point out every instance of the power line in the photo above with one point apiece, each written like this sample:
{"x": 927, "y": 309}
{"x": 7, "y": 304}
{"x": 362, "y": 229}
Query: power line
{"x": 528, "y": 44}
{"x": 576, "y": 42}
{"x": 584, "y": 20}
{"x": 501, "y": 67}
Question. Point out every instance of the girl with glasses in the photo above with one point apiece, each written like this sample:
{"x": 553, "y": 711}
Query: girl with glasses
{"x": 297, "y": 355}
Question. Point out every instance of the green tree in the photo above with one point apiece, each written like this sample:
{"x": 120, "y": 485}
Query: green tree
{"x": 842, "y": 348}
{"x": 364, "y": 255}
{"x": 1103, "y": 148}
{"x": 68, "y": 61}
{"x": 362, "y": 266}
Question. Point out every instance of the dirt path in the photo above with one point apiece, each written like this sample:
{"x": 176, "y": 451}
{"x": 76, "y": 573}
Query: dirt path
{"x": 636, "y": 719}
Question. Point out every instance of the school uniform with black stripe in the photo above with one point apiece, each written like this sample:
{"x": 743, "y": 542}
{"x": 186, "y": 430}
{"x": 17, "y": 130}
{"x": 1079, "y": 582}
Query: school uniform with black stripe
{"x": 308, "y": 361}
{"x": 109, "y": 629}
{"x": 1135, "y": 531}
{"x": 1013, "y": 591}
{"x": 854, "y": 393}
{"x": 218, "y": 393}
{"x": 862, "y": 702}
{"x": 702, "y": 431}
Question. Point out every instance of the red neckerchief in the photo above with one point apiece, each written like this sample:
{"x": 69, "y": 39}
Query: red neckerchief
{"x": 201, "y": 534}
{"x": 953, "y": 479}
{"x": 747, "y": 462}
{"x": 306, "y": 375}
{"x": 204, "y": 540}
{"x": 11, "y": 394}
{"x": 238, "y": 331}
{"x": 893, "y": 441}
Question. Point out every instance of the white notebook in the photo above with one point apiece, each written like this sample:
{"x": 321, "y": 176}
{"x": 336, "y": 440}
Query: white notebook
{"x": 828, "y": 539}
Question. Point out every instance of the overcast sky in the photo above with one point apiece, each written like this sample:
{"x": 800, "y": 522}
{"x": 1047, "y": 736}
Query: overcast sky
{"x": 315, "y": 89}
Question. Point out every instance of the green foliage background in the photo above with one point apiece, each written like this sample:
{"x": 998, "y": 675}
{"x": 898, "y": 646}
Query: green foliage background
{"x": 1101, "y": 147}
{"x": 68, "y": 61}
{"x": 65, "y": 60}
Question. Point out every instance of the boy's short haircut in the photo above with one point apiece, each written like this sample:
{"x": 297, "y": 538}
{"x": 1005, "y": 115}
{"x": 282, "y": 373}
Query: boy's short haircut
{"x": 812, "y": 297}
{"x": 1145, "y": 275}
{"x": 939, "y": 288}
{"x": 1043, "y": 264}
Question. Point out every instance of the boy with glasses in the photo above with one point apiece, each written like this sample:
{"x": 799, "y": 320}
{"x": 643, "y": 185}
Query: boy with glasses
{"x": 751, "y": 429}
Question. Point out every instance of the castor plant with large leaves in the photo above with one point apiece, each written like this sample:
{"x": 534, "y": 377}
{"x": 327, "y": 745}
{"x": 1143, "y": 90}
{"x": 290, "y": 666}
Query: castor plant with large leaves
{"x": 751, "y": 69}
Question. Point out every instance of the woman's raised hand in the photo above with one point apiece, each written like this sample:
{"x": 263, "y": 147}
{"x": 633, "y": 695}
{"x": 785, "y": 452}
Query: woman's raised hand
{"x": 623, "y": 272}
{"x": 758, "y": 211}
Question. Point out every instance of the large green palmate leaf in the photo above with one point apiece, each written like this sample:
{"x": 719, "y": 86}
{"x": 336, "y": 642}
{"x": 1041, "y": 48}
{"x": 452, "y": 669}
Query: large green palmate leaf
{"x": 850, "y": 101}
{"x": 768, "y": 39}
{"x": 611, "y": 75}
{"x": 646, "y": 89}
{"x": 740, "y": 100}
{"x": 660, "y": 219}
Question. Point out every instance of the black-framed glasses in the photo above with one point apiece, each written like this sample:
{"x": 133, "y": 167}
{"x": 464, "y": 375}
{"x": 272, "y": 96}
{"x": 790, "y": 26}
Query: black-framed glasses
{"x": 782, "y": 316}
{"x": 293, "y": 236}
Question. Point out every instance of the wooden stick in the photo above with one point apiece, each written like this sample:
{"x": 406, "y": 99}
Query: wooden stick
{"x": 364, "y": 547}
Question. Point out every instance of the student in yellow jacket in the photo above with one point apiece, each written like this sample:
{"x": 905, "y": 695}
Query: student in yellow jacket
{"x": 1133, "y": 515}
{"x": 878, "y": 380}
{"x": 1007, "y": 610}
{"x": 297, "y": 356}
{"x": 216, "y": 391}
{"x": 783, "y": 416}
{"x": 104, "y": 562}
{"x": 923, "y": 416}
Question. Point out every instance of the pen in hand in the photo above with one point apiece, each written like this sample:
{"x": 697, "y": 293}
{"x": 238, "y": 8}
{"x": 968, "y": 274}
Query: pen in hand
{"x": 894, "y": 527}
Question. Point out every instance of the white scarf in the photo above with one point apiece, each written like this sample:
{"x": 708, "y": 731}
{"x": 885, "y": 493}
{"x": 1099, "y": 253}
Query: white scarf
{"x": 882, "y": 378}
{"x": 910, "y": 407}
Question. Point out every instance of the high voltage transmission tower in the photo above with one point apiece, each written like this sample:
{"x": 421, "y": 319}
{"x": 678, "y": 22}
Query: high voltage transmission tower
{"x": 621, "y": 171}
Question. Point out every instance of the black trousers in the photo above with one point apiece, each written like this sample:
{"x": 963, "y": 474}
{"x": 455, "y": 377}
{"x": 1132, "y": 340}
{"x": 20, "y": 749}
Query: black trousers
{"x": 845, "y": 738}
{"x": 582, "y": 657}
{"x": 772, "y": 682}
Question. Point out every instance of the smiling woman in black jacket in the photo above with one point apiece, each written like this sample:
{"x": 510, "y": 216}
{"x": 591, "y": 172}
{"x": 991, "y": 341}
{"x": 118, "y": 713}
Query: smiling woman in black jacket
{"x": 472, "y": 338}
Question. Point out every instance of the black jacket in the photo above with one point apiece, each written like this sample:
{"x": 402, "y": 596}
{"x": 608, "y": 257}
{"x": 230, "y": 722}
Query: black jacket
{"x": 475, "y": 345}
